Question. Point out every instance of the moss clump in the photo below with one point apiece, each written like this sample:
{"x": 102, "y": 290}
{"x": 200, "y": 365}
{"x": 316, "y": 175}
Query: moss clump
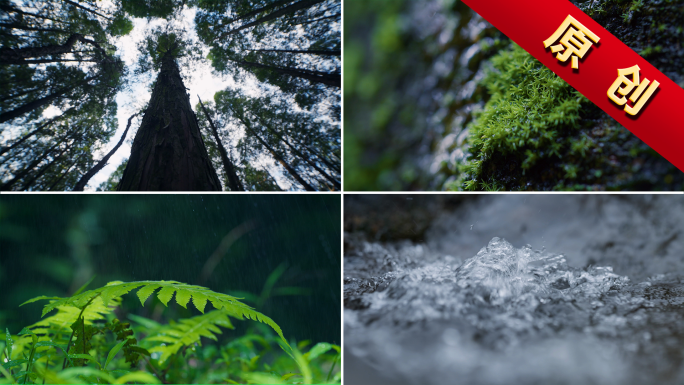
{"x": 537, "y": 133}
{"x": 571, "y": 144}
{"x": 524, "y": 125}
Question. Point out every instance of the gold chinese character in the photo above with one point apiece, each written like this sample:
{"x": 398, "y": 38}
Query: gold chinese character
{"x": 629, "y": 86}
{"x": 573, "y": 41}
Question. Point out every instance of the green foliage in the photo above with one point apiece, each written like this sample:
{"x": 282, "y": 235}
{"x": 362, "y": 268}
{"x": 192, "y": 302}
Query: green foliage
{"x": 120, "y": 26}
{"x": 529, "y": 108}
{"x": 114, "y": 178}
{"x": 34, "y": 354}
{"x": 124, "y": 333}
{"x": 157, "y": 8}
{"x": 184, "y": 293}
{"x": 187, "y": 332}
{"x": 257, "y": 180}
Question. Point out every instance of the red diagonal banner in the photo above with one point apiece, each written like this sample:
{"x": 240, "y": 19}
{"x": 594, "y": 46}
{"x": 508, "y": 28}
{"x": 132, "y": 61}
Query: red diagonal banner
{"x": 598, "y": 65}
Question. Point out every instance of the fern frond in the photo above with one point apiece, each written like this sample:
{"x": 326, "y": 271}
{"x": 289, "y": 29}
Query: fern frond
{"x": 184, "y": 293}
{"x": 188, "y": 331}
{"x": 67, "y": 315}
{"x": 200, "y": 295}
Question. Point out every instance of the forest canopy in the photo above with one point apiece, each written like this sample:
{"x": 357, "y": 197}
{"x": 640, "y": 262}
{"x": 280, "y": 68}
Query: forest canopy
{"x": 237, "y": 95}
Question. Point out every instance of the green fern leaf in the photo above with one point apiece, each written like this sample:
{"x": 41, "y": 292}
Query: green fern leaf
{"x": 146, "y": 292}
{"x": 165, "y": 294}
{"x": 187, "y": 332}
{"x": 183, "y": 297}
{"x": 199, "y": 295}
{"x": 200, "y": 301}
{"x": 238, "y": 311}
{"x": 67, "y": 315}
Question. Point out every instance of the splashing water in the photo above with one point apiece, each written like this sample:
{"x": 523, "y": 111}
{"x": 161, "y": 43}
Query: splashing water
{"x": 508, "y": 315}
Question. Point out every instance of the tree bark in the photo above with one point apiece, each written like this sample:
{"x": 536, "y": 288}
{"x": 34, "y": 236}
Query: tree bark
{"x": 28, "y": 107}
{"x": 233, "y": 180}
{"x": 272, "y": 16}
{"x": 334, "y": 80}
{"x": 310, "y": 51}
{"x": 168, "y": 152}
{"x": 86, "y": 177}
{"x": 277, "y": 157}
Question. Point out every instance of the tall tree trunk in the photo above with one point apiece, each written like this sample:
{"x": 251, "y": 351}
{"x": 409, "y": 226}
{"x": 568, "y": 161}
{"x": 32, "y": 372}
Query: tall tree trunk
{"x": 28, "y": 107}
{"x": 86, "y": 9}
{"x": 27, "y": 28}
{"x": 22, "y": 93}
{"x": 324, "y": 160}
{"x": 8, "y": 8}
{"x": 322, "y": 52}
{"x": 233, "y": 180}
{"x": 168, "y": 152}
{"x": 332, "y": 180}
{"x": 259, "y": 10}
{"x": 302, "y": 4}
{"x": 277, "y": 157}
{"x": 280, "y": 160}
{"x": 64, "y": 174}
{"x": 30, "y": 134}
{"x": 18, "y": 55}
{"x": 86, "y": 177}
{"x": 43, "y": 169}
{"x": 334, "y": 80}
{"x": 317, "y": 20}
{"x": 17, "y": 177}
{"x": 319, "y": 156}
{"x": 44, "y": 61}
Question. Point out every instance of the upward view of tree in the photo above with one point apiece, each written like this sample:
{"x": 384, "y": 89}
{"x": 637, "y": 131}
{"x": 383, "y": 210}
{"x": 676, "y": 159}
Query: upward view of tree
{"x": 293, "y": 45}
{"x": 56, "y": 55}
{"x": 276, "y": 127}
{"x": 168, "y": 152}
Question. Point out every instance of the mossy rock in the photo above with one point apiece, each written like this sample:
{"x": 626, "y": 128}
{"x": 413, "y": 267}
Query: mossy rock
{"x": 538, "y": 133}
{"x": 421, "y": 80}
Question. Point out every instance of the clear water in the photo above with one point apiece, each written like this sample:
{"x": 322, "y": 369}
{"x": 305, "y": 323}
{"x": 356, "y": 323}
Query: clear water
{"x": 506, "y": 315}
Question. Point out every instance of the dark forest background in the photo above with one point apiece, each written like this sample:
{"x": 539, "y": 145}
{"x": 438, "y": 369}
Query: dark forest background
{"x": 51, "y": 245}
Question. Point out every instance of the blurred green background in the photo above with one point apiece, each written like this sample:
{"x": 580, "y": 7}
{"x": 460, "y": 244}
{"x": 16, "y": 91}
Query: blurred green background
{"x": 280, "y": 252}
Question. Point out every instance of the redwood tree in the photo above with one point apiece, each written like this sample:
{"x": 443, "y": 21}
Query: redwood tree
{"x": 168, "y": 152}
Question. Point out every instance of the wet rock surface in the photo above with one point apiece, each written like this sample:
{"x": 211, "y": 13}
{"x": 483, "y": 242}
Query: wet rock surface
{"x": 436, "y": 312}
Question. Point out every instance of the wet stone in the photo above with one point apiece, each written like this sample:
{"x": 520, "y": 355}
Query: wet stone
{"x": 509, "y": 315}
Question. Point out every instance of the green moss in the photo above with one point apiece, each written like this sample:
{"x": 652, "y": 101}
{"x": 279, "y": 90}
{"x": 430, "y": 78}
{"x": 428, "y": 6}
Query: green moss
{"x": 529, "y": 111}
{"x": 537, "y": 133}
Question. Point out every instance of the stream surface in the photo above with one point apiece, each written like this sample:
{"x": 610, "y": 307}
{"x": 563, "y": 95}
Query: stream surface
{"x": 596, "y": 297}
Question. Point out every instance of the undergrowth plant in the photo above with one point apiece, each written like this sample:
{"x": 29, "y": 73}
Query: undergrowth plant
{"x": 81, "y": 343}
